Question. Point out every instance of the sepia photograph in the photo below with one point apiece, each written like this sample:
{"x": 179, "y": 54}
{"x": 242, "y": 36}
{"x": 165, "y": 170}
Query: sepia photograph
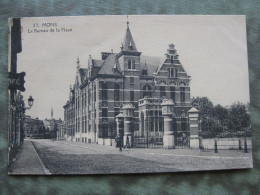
{"x": 128, "y": 94}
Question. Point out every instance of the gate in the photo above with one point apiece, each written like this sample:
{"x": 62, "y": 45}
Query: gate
{"x": 148, "y": 141}
{"x": 182, "y": 139}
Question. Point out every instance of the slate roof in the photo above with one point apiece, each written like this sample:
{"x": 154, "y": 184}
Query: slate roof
{"x": 109, "y": 64}
{"x": 152, "y": 63}
{"x": 82, "y": 73}
{"x": 128, "y": 41}
{"x": 97, "y": 63}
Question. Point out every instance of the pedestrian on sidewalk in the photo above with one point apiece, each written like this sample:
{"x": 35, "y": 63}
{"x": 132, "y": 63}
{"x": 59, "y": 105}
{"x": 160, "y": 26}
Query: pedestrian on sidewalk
{"x": 119, "y": 142}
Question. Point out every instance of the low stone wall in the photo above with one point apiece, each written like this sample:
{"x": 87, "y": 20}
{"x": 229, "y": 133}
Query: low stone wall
{"x": 226, "y": 143}
{"x": 107, "y": 141}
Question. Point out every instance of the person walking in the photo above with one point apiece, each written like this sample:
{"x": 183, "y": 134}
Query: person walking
{"x": 119, "y": 142}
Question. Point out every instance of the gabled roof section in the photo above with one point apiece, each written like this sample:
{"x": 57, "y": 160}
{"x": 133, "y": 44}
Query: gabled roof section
{"x": 82, "y": 74}
{"x": 128, "y": 44}
{"x": 152, "y": 64}
{"x": 110, "y": 64}
{"x": 97, "y": 63}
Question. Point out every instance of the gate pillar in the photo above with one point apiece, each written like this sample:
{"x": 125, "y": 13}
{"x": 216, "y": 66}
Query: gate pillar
{"x": 128, "y": 113}
{"x": 119, "y": 124}
{"x": 167, "y": 112}
{"x": 194, "y": 127}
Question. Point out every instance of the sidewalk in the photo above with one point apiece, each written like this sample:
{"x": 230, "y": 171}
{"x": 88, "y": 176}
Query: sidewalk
{"x": 27, "y": 161}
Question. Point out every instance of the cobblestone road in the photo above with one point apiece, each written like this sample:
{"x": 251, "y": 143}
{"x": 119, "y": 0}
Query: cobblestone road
{"x": 62, "y": 157}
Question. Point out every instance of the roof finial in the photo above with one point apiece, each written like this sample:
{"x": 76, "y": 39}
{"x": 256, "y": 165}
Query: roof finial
{"x": 127, "y": 22}
{"x": 122, "y": 46}
{"x": 78, "y": 62}
{"x": 51, "y": 112}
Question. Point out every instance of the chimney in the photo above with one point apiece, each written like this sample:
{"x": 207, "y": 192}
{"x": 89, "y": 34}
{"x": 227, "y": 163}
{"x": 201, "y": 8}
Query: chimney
{"x": 104, "y": 55}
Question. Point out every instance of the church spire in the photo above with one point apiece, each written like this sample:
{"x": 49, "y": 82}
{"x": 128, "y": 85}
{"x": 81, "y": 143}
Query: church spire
{"x": 128, "y": 43}
{"x": 51, "y": 112}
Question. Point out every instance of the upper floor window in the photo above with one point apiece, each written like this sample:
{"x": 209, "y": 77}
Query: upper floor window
{"x": 182, "y": 89}
{"x": 147, "y": 91}
{"x": 104, "y": 91}
{"x": 131, "y": 64}
{"x": 162, "y": 91}
{"x": 173, "y": 72}
{"x": 132, "y": 95}
{"x": 116, "y": 92}
{"x": 172, "y": 93}
{"x": 131, "y": 80}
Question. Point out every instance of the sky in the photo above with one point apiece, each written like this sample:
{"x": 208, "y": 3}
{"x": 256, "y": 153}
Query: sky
{"x": 212, "y": 49}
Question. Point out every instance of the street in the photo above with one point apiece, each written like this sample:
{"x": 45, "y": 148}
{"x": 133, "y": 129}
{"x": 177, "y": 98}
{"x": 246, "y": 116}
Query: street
{"x": 63, "y": 157}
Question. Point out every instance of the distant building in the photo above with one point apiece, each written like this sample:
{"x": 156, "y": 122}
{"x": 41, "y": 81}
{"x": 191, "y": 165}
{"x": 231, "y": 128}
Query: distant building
{"x": 51, "y": 125}
{"x": 34, "y": 128}
{"x": 61, "y": 132}
{"x": 103, "y": 88}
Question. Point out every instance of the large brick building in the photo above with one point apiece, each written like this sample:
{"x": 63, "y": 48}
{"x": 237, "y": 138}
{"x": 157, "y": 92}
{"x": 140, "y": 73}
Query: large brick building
{"x": 101, "y": 90}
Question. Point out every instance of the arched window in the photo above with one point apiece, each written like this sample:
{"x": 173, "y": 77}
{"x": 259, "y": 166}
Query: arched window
{"x": 129, "y": 64}
{"x": 182, "y": 89}
{"x": 182, "y": 83}
{"x": 133, "y": 64}
{"x": 147, "y": 91}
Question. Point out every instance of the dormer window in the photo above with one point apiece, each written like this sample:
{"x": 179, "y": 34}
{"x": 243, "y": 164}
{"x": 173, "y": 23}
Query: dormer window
{"x": 130, "y": 47}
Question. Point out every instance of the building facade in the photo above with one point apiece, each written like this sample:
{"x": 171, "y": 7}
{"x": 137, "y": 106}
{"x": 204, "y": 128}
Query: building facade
{"x": 34, "y": 128}
{"x": 103, "y": 88}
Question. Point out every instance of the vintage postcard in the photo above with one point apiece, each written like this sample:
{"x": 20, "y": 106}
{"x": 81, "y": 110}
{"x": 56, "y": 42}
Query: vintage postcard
{"x": 128, "y": 94}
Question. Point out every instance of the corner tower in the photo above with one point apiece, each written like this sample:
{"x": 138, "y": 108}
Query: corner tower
{"x": 129, "y": 61}
{"x": 129, "y": 56}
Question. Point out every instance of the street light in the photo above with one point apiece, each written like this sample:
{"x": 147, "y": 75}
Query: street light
{"x": 30, "y": 101}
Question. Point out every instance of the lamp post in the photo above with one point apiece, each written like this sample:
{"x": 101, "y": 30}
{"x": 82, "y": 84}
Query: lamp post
{"x": 19, "y": 108}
